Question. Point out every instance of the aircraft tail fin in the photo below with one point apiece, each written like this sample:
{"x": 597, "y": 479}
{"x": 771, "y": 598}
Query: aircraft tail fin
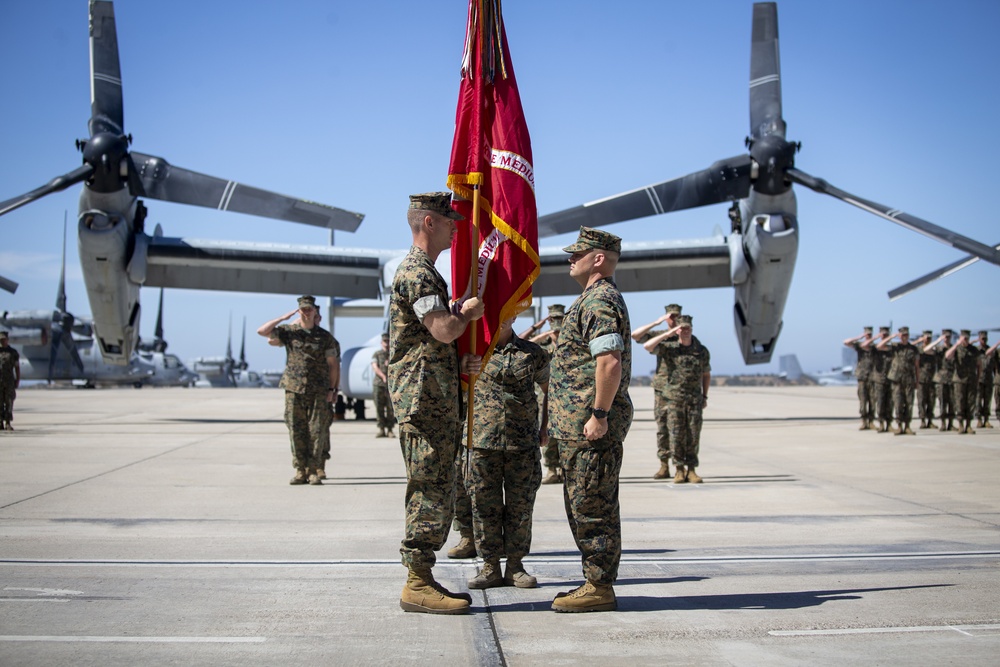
{"x": 788, "y": 367}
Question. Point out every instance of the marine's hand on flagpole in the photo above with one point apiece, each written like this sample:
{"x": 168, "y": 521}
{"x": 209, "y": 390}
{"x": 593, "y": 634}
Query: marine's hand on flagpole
{"x": 472, "y": 364}
{"x": 472, "y": 309}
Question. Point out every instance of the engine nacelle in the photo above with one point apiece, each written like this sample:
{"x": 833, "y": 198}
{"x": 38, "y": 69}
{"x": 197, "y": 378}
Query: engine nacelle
{"x": 770, "y": 244}
{"x": 106, "y": 244}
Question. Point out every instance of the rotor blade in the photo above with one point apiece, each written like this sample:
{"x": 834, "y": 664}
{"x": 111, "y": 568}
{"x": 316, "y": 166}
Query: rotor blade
{"x": 726, "y": 180}
{"x": 55, "y": 185}
{"x": 8, "y": 285}
{"x": 765, "y": 73}
{"x": 106, "y": 114}
{"x": 914, "y": 285}
{"x": 163, "y": 181}
{"x": 912, "y": 222}
{"x": 61, "y": 295}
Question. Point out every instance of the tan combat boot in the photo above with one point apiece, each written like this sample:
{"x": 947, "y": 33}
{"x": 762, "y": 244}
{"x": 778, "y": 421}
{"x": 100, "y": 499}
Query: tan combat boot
{"x": 465, "y": 548}
{"x": 389, "y": 433}
{"x": 589, "y": 597}
{"x": 300, "y": 477}
{"x": 986, "y": 423}
{"x": 554, "y": 477}
{"x": 314, "y": 478}
{"x": 907, "y": 430}
{"x": 663, "y": 472}
{"x": 693, "y": 477}
{"x": 424, "y": 595}
{"x": 381, "y": 433}
{"x": 488, "y": 577}
{"x": 968, "y": 427}
{"x": 680, "y": 477}
{"x": 515, "y": 575}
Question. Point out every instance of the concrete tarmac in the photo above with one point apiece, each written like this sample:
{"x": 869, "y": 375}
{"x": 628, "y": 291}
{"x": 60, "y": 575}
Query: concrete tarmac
{"x": 157, "y": 526}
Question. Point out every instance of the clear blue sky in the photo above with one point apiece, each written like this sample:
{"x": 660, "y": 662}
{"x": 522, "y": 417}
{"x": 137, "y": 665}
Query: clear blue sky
{"x": 353, "y": 104}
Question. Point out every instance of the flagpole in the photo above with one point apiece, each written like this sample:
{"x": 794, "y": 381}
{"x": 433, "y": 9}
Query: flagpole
{"x": 474, "y": 278}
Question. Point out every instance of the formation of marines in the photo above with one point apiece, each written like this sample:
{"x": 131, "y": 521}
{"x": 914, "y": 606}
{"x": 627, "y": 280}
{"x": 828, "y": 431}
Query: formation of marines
{"x": 962, "y": 378}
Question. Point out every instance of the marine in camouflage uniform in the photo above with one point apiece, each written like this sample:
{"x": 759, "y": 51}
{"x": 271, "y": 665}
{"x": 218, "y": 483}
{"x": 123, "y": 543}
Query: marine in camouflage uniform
{"x": 505, "y": 474}
{"x": 548, "y": 342}
{"x": 424, "y": 388}
{"x": 310, "y": 381}
{"x": 993, "y": 357}
{"x": 942, "y": 378}
{"x": 879, "y": 378}
{"x": 925, "y": 381}
{"x": 689, "y": 372}
{"x": 862, "y": 345}
{"x": 965, "y": 379}
{"x": 590, "y": 413}
{"x": 10, "y": 379}
{"x": 903, "y": 372}
{"x": 985, "y": 393}
{"x": 643, "y": 335}
{"x": 380, "y": 390}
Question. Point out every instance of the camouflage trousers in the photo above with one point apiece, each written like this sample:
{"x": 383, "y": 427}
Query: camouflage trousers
{"x": 462, "y": 523}
{"x": 946, "y": 408}
{"x": 865, "y": 400}
{"x": 308, "y": 418}
{"x": 684, "y": 420}
{"x": 965, "y": 399}
{"x": 502, "y": 485}
{"x": 660, "y": 412}
{"x": 925, "y": 400}
{"x": 983, "y": 399}
{"x": 383, "y": 407}
{"x": 881, "y": 394}
{"x": 902, "y": 402}
{"x": 996, "y": 400}
{"x": 7, "y": 396}
{"x": 430, "y": 490}
{"x": 590, "y": 493}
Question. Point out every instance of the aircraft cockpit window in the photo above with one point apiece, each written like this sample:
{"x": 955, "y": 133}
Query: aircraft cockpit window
{"x": 170, "y": 361}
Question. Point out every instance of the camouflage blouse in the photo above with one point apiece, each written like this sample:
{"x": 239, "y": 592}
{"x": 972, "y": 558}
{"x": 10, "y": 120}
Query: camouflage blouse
{"x": 966, "y": 361}
{"x": 423, "y": 371}
{"x": 598, "y": 313}
{"x": 506, "y": 409}
{"x": 863, "y": 368}
{"x": 686, "y": 364}
{"x": 306, "y": 368}
{"x": 660, "y": 374}
{"x": 903, "y": 367}
{"x": 381, "y": 359}
{"x": 9, "y": 360}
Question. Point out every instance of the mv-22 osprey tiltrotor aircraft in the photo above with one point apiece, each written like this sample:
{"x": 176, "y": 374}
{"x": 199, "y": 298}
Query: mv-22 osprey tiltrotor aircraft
{"x": 116, "y": 254}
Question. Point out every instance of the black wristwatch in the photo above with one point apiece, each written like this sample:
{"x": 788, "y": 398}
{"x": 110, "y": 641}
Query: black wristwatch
{"x": 599, "y": 413}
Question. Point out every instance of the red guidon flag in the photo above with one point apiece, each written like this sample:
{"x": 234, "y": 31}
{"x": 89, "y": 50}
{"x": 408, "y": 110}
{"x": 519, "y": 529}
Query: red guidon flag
{"x": 491, "y": 153}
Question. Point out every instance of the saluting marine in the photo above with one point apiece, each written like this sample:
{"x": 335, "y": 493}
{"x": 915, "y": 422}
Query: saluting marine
{"x": 862, "y": 370}
{"x": 942, "y": 378}
{"x": 10, "y": 380}
{"x": 881, "y": 394}
{"x": 548, "y": 341}
{"x": 965, "y": 379}
{"x": 660, "y": 404}
{"x": 903, "y": 372}
{"x": 925, "y": 381}
{"x": 986, "y": 378}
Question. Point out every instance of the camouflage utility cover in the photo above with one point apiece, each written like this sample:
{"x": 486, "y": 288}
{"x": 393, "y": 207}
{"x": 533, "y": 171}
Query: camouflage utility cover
{"x": 599, "y": 311}
{"x": 306, "y": 368}
{"x": 506, "y": 411}
{"x": 423, "y": 371}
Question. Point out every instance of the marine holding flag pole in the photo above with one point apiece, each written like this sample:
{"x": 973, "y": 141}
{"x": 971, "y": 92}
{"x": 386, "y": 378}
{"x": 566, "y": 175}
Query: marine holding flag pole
{"x": 492, "y": 176}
